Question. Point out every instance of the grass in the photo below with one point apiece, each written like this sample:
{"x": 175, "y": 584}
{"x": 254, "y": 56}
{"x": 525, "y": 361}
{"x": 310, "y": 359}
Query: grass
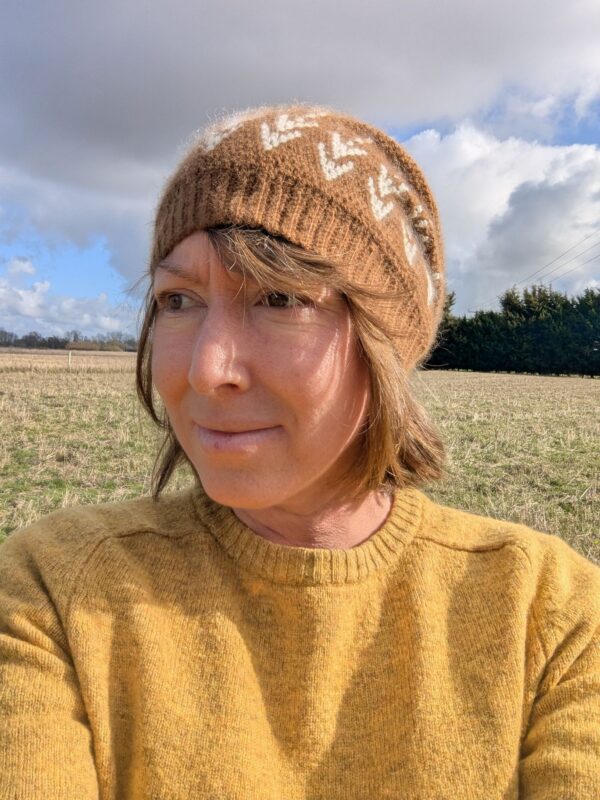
{"x": 522, "y": 448}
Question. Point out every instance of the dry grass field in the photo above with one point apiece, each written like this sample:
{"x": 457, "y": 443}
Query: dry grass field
{"x": 520, "y": 447}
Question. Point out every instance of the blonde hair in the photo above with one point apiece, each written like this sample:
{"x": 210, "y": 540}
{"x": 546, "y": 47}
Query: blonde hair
{"x": 400, "y": 446}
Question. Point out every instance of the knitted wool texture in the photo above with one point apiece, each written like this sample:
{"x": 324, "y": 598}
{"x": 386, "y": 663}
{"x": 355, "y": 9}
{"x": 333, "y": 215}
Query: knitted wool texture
{"x": 165, "y": 650}
{"x": 335, "y": 186}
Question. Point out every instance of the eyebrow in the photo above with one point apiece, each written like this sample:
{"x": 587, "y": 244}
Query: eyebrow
{"x": 185, "y": 274}
{"x": 176, "y": 269}
{"x": 182, "y": 272}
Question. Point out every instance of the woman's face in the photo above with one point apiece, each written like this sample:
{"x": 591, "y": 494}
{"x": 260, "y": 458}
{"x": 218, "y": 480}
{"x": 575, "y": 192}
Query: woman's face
{"x": 265, "y": 397}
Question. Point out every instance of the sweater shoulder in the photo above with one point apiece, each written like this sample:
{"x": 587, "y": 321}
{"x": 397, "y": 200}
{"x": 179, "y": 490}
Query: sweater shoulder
{"x": 85, "y": 525}
{"x": 54, "y": 550}
{"x": 562, "y": 585}
{"x": 558, "y": 575}
{"x": 464, "y": 530}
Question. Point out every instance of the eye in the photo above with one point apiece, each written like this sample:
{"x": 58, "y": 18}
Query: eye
{"x": 284, "y": 300}
{"x": 172, "y": 301}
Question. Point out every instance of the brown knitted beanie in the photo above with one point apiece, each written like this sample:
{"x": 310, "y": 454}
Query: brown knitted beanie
{"x": 331, "y": 184}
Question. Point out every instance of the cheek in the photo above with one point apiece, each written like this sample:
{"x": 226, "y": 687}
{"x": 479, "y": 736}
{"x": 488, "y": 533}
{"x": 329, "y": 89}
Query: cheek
{"x": 170, "y": 368}
{"x": 309, "y": 375}
{"x": 330, "y": 392}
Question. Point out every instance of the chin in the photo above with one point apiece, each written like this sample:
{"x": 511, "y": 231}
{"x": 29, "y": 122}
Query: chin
{"x": 240, "y": 493}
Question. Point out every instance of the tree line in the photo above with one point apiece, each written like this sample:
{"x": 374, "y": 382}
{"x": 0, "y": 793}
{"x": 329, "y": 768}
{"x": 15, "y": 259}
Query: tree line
{"x": 538, "y": 330}
{"x": 72, "y": 340}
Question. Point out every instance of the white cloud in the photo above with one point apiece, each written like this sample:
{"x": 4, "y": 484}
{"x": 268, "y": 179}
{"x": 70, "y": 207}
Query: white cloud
{"x": 37, "y": 309}
{"x": 28, "y": 303}
{"x": 509, "y": 207}
{"x": 20, "y": 266}
{"x": 588, "y": 92}
{"x": 393, "y": 62}
{"x": 63, "y": 211}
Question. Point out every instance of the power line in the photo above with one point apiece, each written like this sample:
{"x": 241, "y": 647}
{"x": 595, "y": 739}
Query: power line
{"x": 554, "y": 260}
{"x": 593, "y": 258}
{"x": 560, "y": 266}
{"x": 564, "y": 264}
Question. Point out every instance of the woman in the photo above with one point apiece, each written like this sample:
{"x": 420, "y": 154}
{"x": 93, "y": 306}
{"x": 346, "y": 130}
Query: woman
{"x": 304, "y": 622}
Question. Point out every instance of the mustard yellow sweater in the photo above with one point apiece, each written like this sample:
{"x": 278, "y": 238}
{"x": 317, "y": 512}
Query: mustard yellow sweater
{"x": 164, "y": 650}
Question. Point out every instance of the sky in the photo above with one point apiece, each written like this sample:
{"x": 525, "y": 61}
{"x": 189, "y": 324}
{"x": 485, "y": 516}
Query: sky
{"x": 499, "y": 102}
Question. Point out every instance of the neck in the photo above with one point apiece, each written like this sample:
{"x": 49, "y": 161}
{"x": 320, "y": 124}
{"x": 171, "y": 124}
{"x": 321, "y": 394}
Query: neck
{"x": 333, "y": 525}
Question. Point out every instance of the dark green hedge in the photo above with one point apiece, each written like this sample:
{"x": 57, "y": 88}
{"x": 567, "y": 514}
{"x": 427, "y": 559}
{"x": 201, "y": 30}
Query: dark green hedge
{"x": 539, "y": 331}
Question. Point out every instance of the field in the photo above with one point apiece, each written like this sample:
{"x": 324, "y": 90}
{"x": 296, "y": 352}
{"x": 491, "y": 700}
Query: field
{"x": 520, "y": 447}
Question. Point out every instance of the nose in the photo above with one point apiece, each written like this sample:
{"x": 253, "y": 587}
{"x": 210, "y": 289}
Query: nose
{"x": 220, "y": 355}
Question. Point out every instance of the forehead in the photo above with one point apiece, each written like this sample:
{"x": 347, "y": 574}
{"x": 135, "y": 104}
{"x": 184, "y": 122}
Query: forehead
{"x": 196, "y": 259}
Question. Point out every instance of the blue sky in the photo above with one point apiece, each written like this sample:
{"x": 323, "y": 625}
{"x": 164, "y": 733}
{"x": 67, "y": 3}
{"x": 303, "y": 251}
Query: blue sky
{"x": 498, "y": 102}
{"x": 75, "y": 271}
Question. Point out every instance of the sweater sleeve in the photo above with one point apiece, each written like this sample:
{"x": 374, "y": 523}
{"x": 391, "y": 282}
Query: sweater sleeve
{"x": 560, "y": 753}
{"x": 45, "y": 739}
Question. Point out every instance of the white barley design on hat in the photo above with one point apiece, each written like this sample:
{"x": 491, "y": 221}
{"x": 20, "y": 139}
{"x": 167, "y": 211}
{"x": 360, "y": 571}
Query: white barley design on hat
{"x": 330, "y": 183}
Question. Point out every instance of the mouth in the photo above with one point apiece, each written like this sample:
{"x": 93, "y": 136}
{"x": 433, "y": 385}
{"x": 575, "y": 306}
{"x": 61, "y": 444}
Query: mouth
{"x": 236, "y": 430}
{"x": 229, "y": 441}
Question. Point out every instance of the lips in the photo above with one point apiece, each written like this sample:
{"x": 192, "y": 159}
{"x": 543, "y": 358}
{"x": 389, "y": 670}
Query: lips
{"x": 235, "y": 429}
{"x": 232, "y": 441}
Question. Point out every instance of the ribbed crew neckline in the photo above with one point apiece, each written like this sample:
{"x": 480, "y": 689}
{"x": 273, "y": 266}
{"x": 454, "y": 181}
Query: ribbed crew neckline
{"x": 308, "y": 566}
